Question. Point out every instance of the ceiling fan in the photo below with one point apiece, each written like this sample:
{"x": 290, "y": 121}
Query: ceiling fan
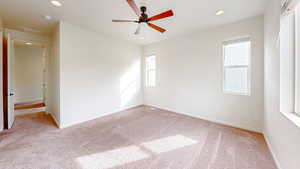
{"x": 143, "y": 17}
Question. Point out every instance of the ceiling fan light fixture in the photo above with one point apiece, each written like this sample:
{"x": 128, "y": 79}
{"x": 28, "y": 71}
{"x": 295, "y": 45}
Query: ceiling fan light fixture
{"x": 56, "y": 3}
{"x": 220, "y": 12}
{"x": 28, "y": 43}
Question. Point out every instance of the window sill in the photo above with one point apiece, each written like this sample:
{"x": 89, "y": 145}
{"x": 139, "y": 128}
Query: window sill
{"x": 236, "y": 93}
{"x": 293, "y": 118}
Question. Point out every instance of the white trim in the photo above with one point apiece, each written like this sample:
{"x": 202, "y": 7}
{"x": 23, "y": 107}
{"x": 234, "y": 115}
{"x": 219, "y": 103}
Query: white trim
{"x": 236, "y": 93}
{"x": 222, "y": 122}
{"x": 287, "y": 64}
{"x": 40, "y": 40}
{"x": 293, "y": 117}
{"x": 54, "y": 118}
{"x": 148, "y": 83}
{"x": 272, "y": 151}
{"x": 237, "y": 40}
{"x": 62, "y": 126}
{"x": 30, "y": 101}
{"x": 297, "y": 61}
{"x": 25, "y": 36}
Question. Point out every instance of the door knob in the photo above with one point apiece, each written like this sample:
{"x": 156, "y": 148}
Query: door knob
{"x": 11, "y": 94}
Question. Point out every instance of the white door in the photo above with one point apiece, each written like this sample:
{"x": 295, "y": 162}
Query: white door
{"x": 10, "y": 92}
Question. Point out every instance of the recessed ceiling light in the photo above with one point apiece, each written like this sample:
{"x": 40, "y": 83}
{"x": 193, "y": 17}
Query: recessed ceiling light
{"x": 56, "y": 3}
{"x": 28, "y": 43}
{"x": 47, "y": 17}
{"x": 220, "y": 12}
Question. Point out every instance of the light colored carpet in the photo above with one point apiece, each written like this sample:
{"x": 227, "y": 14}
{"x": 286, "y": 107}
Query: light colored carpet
{"x": 139, "y": 138}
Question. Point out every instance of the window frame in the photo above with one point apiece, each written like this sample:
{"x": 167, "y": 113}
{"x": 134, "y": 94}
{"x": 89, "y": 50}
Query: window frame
{"x": 224, "y": 67}
{"x": 147, "y": 70}
{"x": 290, "y": 65}
{"x": 297, "y": 60}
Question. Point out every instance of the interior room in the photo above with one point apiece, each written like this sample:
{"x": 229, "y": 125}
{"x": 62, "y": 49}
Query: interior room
{"x": 150, "y": 84}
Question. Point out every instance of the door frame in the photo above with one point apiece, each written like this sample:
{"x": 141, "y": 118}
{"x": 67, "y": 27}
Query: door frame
{"x": 42, "y": 41}
{"x": 5, "y": 81}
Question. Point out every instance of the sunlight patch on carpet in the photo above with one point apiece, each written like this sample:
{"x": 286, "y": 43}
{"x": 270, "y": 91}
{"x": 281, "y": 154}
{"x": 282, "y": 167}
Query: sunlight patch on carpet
{"x": 168, "y": 143}
{"x": 113, "y": 158}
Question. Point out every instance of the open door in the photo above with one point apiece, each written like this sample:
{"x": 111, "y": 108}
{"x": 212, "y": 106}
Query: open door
{"x": 8, "y": 95}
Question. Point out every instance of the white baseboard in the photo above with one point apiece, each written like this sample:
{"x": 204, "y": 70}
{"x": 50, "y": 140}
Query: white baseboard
{"x": 272, "y": 151}
{"x": 30, "y": 101}
{"x": 62, "y": 126}
{"x": 54, "y": 118}
{"x": 209, "y": 119}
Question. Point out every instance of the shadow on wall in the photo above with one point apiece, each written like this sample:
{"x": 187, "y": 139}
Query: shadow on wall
{"x": 129, "y": 84}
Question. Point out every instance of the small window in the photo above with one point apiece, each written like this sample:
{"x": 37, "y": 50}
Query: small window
{"x": 236, "y": 55}
{"x": 151, "y": 71}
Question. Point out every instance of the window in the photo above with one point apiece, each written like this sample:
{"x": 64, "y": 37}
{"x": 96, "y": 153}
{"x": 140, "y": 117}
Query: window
{"x": 151, "y": 71}
{"x": 236, "y": 72}
{"x": 290, "y": 59}
{"x": 236, "y": 64}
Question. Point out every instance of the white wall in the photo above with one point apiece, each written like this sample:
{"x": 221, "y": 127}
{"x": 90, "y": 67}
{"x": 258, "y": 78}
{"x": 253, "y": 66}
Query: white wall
{"x": 99, "y": 75}
{"x": 28, "y": 74}
{"x": 282, "y": 135}
{"x": 189, "y": 76}
{"x": 53, "y": 77}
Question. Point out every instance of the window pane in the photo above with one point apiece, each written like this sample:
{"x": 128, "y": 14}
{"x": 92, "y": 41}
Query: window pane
{"x": 151, "y": 71}
{"x": 237, "y": 54}
{"x": 236, "y": 80}
{"x": 150, "y": 61}
{"x": 151, "y": 64}
{"x": 152, "y": 78}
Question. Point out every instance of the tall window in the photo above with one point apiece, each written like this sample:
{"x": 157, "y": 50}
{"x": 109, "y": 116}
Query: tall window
{"x": 290, "y": 58}
{"x": 151, "y": 71}
{"x": 236, "y": 64}
{"x": 297, "y": 59}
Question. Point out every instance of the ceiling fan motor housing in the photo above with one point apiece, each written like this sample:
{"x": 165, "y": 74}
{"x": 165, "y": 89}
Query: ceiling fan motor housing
{"x": 143, "y": 9}
{"x": 144, "y": 16}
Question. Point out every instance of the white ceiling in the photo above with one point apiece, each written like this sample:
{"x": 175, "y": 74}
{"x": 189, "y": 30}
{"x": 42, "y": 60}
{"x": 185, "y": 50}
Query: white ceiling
{"x": 190, "y": 15}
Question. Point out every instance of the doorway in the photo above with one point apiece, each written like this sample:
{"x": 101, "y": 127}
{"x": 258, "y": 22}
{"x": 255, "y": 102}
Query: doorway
{"x": 24, "y": 71}
{"x": 28, "y": 78}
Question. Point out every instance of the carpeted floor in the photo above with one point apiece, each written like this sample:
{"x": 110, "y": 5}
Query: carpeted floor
{"x": 140, "y": 138}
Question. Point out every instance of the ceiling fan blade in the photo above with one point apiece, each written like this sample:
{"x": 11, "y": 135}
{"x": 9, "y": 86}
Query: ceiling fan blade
{"x": 133, "y": 5}
{"x": 162, "y": 30}
{"x": 115, "y": 20}
{"x": 162, "y": 15}
{"x": 138, "y": 30}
